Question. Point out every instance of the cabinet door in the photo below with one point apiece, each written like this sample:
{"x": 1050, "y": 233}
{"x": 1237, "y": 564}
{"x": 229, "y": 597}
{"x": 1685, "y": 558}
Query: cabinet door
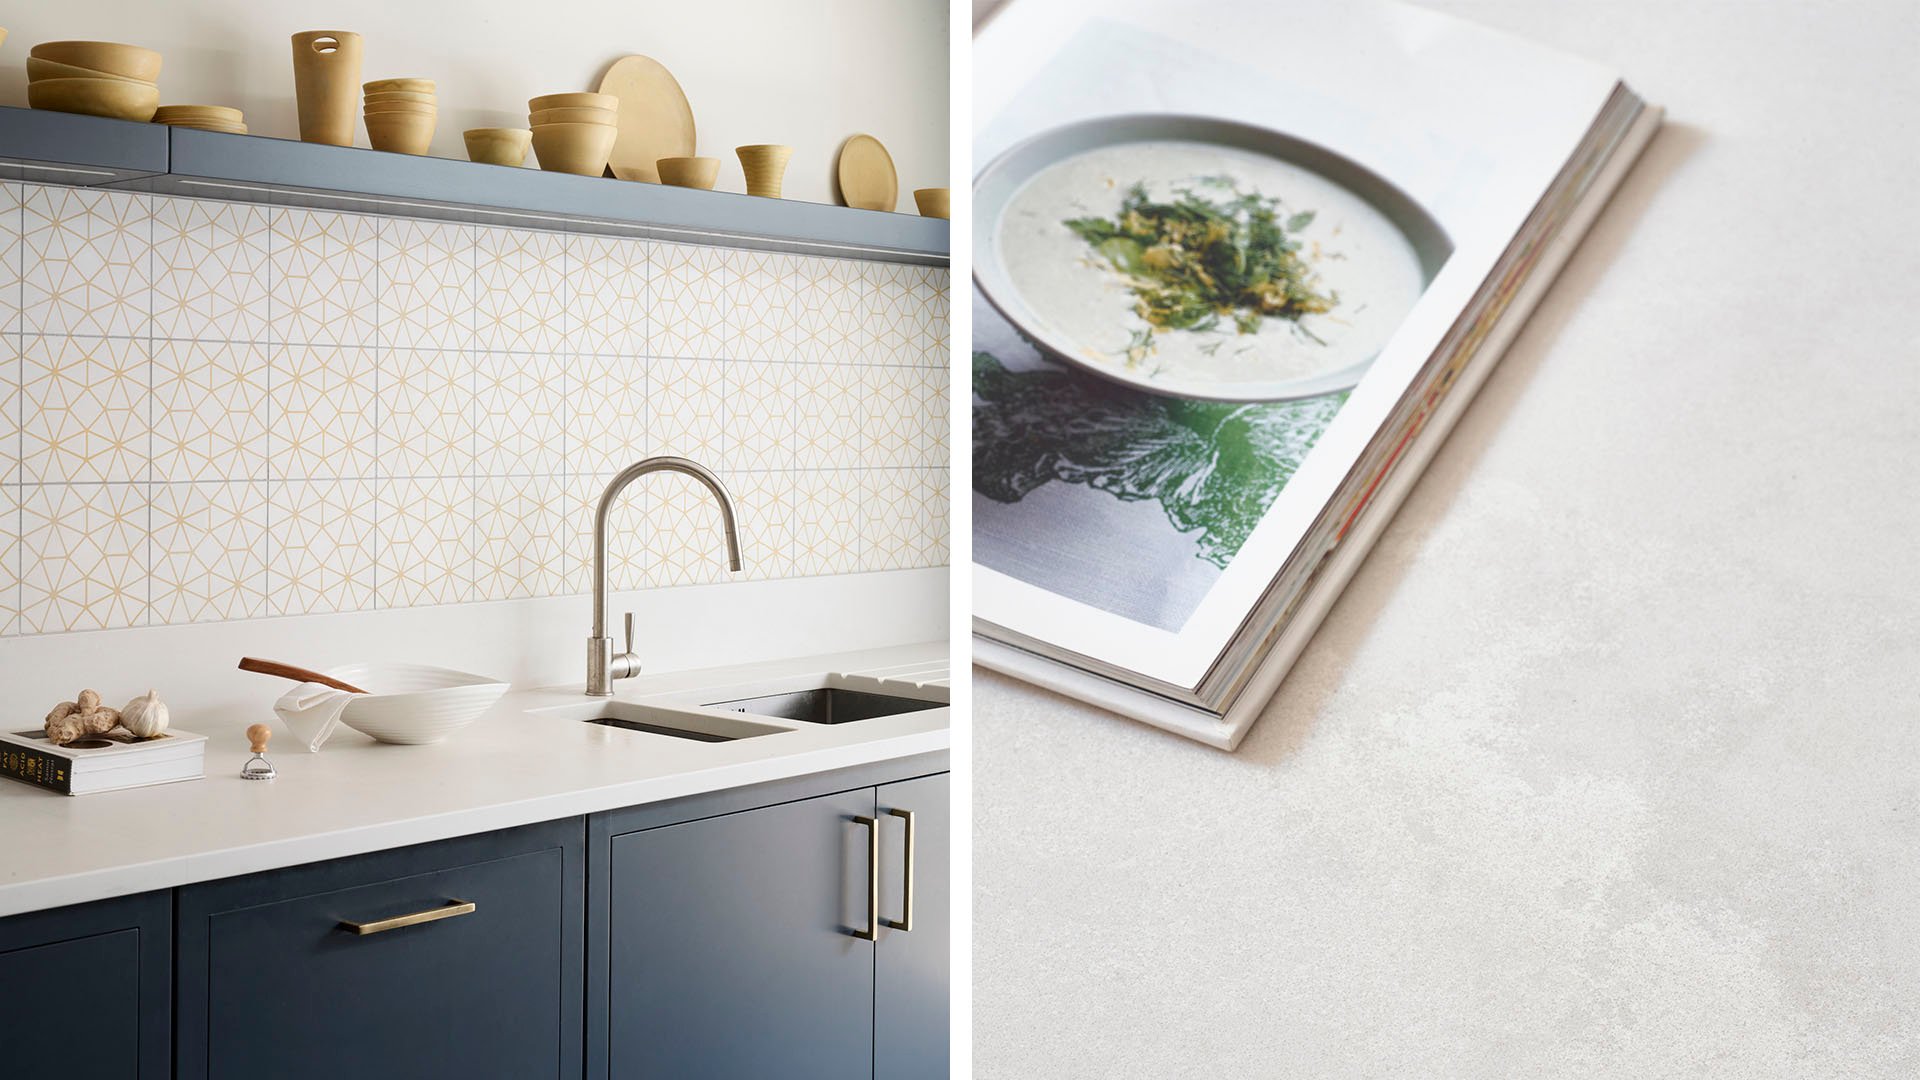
{"x": 911, "y": 969}
{"x": 276, "y": 981}
{"x": 732, "y": 952}
{"x": 85, "y": 990}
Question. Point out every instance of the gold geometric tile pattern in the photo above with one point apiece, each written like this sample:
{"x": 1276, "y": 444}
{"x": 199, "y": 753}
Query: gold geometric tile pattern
{"x": 522, "y": 280}
{"x": 428, "y": 284}
{"x": 10, "y": 261}
{"x": 425, "y": 550}
{"x": 83, "y": 557}
{"x": 759, "y": 403}
{"x": 323, "y": 280}
{"x": 9, "y": 560}
{"x": 85, "y": 261}
{"x": 626, "y": 532}
{"x": 321, "y": 411}
{"x": 682, "y": 533}
{"x": 765, "y": 504}
{"x": 893, "y": 425}
{"x": 935, "y": 546}
{"x": 520, "y": 419}
{"x": 760, "y": 305}
{"x": 932, "y": 316}
{"x": 684, "y": 398}
{"x": 210, "y": 270}
{"x": 827, "y": 522}
{"x": 892, "y": 322}
{"x": 320, "y": 545}
{"x": 689, "y": 310}
{"x": 9, "y": 410}
{"x": 830, "y": 416}
{"x": 209, "y": 411}
{"x": 208, "y": 551}
{"x": 889, "y": 518}
{"x": 607, "y": 410}
{"x": 933, "y": 404}
{"x": 520, "y": 531}
{"x": 608, "y": 295}
{"x": 426, "y": 412}
{"x": 84, "y": 403}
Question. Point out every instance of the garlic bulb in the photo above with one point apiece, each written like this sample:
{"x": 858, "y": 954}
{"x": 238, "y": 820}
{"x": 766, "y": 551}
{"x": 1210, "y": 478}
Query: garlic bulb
{"x": 145, "y": 716}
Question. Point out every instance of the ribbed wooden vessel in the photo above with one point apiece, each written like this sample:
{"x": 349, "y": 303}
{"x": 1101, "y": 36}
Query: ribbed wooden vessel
{"x": 765, "y": 166}
{"x": 326, "y": 84}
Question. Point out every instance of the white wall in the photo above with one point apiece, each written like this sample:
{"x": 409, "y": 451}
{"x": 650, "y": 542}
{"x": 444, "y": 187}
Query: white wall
{"x": 808, "y": 74}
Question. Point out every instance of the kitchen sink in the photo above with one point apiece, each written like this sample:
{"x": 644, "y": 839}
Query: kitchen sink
{"x": 672, "y": 722}
{"x": 827, "y": 705}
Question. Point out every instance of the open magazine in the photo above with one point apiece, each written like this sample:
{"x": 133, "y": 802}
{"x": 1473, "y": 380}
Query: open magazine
{"x": 1238, "y": 267}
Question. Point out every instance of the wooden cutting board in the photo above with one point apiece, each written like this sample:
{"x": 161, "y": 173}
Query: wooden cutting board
{"x": 867, "y": 178}
{"x": 655, "y": 119}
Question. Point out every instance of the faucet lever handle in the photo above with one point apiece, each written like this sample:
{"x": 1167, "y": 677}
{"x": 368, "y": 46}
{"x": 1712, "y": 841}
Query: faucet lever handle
{"x": 629, "y": 622}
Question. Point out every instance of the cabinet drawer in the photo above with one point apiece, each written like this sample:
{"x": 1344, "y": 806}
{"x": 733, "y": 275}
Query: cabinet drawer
{"x": 461, "y": 958}
{"x": 106, "y": 965}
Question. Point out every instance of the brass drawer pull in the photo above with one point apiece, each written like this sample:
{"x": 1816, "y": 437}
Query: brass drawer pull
{"x": 872, "y": 932}
{"x": 451, "y": 909}
{"x": 906, "y": 889}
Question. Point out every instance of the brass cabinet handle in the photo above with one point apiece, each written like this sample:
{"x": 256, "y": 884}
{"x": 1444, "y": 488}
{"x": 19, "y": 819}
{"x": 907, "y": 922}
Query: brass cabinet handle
{"x": 450, "y": 909}
{"x": 872, "y": 932}
{"x": 906, "y": 889}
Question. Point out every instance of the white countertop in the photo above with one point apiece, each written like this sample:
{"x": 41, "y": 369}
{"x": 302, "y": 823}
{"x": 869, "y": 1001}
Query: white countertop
{"x": 1606, "y": 763}
{"x": 509, "y": 768}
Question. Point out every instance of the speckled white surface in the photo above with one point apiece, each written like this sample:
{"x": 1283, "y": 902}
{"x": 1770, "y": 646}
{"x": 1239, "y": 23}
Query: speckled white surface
{"x": 1605, "y": 764}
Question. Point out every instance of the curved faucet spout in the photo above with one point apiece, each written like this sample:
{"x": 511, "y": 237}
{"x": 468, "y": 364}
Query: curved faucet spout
{"x": 602, "y": 666}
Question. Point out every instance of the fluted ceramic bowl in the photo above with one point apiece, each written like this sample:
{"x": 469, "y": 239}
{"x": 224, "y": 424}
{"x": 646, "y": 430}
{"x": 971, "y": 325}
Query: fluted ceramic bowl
{"x": 414, "y": 703}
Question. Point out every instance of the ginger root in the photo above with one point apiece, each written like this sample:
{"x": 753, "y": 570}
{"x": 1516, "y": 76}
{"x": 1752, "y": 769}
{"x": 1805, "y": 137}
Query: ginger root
{"x": 80, "y": 718}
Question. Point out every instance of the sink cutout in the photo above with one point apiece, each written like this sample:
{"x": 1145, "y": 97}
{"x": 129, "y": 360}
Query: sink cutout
{"x": 674, "y": 724}
{"x": 827, "y": 705}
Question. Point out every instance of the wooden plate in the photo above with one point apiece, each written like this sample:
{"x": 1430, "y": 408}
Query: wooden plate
{"x": 655, "y": 119}
{"x": 867, "y": 178}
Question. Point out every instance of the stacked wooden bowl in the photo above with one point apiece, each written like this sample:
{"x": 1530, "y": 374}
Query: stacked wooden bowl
{"x": 95, "y": 78}
{"x": 203, "y": 117}
{"x": 400, "y": 114}
{"x": 574, "y": 132}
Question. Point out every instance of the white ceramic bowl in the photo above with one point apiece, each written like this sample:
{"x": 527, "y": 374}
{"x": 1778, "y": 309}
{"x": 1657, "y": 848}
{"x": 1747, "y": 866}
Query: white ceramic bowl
{"x": 414, "y": 703}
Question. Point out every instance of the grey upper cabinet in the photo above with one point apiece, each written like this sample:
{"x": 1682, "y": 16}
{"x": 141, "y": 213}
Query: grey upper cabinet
{"x": 912, "y": 966}
{"x": 323, "y": 971}
{"x": 85, "y": 991}
{"x": 732, "y": 947}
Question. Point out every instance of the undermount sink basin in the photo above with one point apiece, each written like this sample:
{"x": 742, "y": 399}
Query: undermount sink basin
{"x": 827, "y": 705}
{"x": 674, "y": 723}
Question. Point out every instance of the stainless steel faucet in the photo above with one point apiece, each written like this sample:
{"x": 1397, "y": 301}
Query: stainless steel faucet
{"x": 603, "y": 666}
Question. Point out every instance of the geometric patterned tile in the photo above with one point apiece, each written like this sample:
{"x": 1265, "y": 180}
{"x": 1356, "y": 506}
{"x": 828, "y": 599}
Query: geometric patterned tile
{"x": 210, "y": 270}
{"x": 759, "y": 414}
{"x": 934, "y": 407}
{"x": 521, "y": 414}
{"x": 939, "y": 318}
{"x": 607, "y": 414}
{"x": 895, "y": 426}
{"x": 209, "y": 551}
{"x": 760, "y": 305}
{"x": 832, "y": 298}
{"x": 9, "y": 409}
{"x": 427, "y": 283}
{"x": 520, "y": 536}
{"x": 522, "y": 283}
{"x": 321, "y": 411}
{"x": 83, "y": 557}
{"x": 827, "y": 522}
{"x": 830, "y": 416}
{"x": 323, "y": 277}
{"x": 685, "y": 544}
{"x": 426, "y": 412}
{"x": 684, "y": 402}
{"x": 689, "y": 301}
{"x": 935, "y": 546}
{"x": 320, "y": 543}
{"x": 891, "y": 325}
{"x": 626, "y": 532}
{"x": 10, "y": 260}
{"x": 209, "y": 411}
{"x": 764, "y": 501}
{"x": 890, "y": 532}
{"x": 84, "y": 404}
{"x": 85, "y": 263}
{"x": 929, "y": 314}
{"x": 425, "y": 551}
{"x": 607, "y": 295}
{"x": 9, "y": 560}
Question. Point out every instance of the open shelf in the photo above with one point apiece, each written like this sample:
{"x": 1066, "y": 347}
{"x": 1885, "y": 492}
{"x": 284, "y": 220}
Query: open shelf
{"x": 59, "y": 148}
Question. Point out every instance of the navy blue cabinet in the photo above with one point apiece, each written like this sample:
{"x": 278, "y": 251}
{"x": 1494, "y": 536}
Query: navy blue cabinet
{"x": 455, "y": 959}
{"x": 85, "y": 991}
{"x": 912, "y": 965}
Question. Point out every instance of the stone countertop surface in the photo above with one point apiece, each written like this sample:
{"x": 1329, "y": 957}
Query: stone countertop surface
{"x": 508, "y": 768}
{"x": 1606, "y": 763}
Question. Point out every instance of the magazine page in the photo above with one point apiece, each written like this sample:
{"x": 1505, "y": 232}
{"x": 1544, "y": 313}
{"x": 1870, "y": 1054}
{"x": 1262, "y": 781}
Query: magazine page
{"x": 1206, "y": 271}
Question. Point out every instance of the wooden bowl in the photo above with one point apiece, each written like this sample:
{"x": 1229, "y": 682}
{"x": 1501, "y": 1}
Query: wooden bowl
{"x": 574, "y": 148}
{"x": 498, "y": 146}
{"x": 218, "y": 114}
{"x": 423, "y": 97}
{"x": 200, "y": 125}
{"x": 574, "y": 101}
{"x": 693, "y": 172}
{"x": 384, "y": 86}
{"x": 934, "y": 201}
{"x": 38, "y": 69}
{"x": 116, "y": 98}
{"x": 400, "y": 134}
{"x": 106, "y": 57}
{"x": 402, "y": 108}
{"x": 573, "y": 116}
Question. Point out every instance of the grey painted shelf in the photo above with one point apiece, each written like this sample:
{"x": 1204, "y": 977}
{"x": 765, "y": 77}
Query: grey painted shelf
{"x": 59, "y": 148}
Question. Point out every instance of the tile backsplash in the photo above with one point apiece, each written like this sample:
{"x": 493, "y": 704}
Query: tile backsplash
{"x": 225, "y": 410}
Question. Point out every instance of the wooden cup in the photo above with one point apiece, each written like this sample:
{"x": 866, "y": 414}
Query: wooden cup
{"x": 326, "y": 83}
{"x": 765, "y": 166}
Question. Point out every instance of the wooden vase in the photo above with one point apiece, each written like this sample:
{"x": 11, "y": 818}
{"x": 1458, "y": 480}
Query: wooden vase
{"x": 326, "y": 83}
{"x": 765, "y": 166}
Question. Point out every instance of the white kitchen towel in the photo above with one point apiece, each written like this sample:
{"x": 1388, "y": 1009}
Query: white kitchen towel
{"x": 311, "y": 712}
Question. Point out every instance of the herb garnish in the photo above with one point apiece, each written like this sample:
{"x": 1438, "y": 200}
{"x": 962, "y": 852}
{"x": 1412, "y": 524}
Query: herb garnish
{"x": 1194, "y": 262}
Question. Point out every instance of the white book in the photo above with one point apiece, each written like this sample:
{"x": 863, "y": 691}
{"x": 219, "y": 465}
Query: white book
{"x": 1175, "y": 472}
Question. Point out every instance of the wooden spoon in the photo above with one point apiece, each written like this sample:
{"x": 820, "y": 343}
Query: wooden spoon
{"x": 297, "y": 674}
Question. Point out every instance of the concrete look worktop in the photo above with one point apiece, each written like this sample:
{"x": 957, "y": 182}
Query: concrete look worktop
{"x": 355, "y": 795}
